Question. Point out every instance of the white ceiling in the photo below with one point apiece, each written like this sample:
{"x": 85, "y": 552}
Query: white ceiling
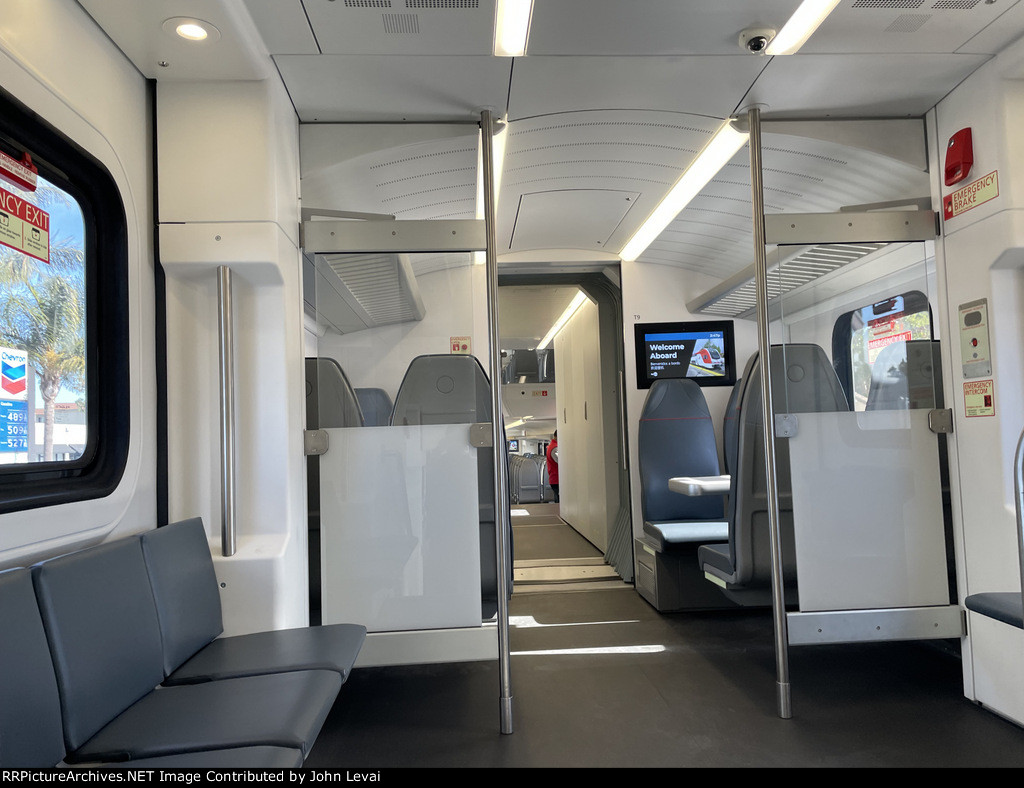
{"x": 613, "y": 100}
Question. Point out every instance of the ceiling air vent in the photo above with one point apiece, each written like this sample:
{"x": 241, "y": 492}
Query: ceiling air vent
{"x": 357, "y": 291}
{"x": 888, "y": 3}
{"x": 737, "y": 297}
{"x": 908, "y": 23}
{"x": 442, "y": 3}
{"x": 367, "y": 3}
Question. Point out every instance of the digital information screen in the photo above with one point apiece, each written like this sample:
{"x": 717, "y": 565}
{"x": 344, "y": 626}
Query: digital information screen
{"x": 681, "y": 351}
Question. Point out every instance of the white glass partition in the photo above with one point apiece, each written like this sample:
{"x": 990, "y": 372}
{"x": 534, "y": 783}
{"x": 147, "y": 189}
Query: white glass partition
{"x": 400, "y": 527}
{"x": 856, "y": 390}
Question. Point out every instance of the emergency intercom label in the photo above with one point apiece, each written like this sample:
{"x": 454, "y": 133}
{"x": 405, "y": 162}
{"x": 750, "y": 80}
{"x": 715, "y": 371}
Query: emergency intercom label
{"x": 462, "y": 345}
{"x": 979, "y": 398}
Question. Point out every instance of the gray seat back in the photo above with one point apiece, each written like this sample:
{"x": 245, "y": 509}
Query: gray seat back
{"x": 101, "y": 622}
{"x": 453, "y": 389}
{"x": 676, "y": 438}
{"x": 330, "y": 399}
{"x": 30, "y": 725}
{"x": 804, "y": 382}
{"x": 906, "y": 375}
{"x": 731, "y": 422}
{"x": 330, "y": 402}
{"x": 376, "y": 406}
{"x": 185, "y": 589}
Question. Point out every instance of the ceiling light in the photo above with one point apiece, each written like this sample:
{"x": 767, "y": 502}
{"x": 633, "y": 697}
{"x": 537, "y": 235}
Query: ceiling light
{"x": 801, "y": 26}
{"x": 570, "y": 310}
{"x": 715, "y": 155}
{"x": 512, "y": 27}
{"x": 194, "y": 30}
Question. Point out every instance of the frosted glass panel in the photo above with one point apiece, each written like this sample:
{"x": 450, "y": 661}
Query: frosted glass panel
{"x": 867, "y": 511}
{"x": 400, "y": 528}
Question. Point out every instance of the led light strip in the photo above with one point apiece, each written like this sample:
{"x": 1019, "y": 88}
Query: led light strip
{"x": 715, "y": 155}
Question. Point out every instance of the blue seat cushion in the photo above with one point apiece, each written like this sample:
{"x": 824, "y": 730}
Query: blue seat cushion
{"x": 281, "y": 710}
{"x": 1005, "y": 606}
{"x": 31, "y": 735}
{"x": 184, "y": 587}
{"x": 675, "y": 535}
{"x": 101, "y": 624}
{"x": 330, "y": 647}
{"x": 717, "y": 557}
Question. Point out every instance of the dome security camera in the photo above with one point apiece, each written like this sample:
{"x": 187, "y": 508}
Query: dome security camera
{"x": 756, "y": 40}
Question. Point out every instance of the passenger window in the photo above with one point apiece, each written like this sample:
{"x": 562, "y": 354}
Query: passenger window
{"x": 64, "y": 404}
{"x": 860, "y": 336}
{"x": 44, "y": 398}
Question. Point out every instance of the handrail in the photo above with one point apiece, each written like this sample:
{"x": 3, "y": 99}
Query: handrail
{"x": 1018, "y": 502}
{"x": 768, "y": 419}
{"x": 227, "y": 410}
{"x": 501, "y": 494}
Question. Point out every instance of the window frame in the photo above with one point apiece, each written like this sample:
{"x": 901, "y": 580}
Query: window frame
{"x": 71, "y": 168}
{"x": 914, "y": 301}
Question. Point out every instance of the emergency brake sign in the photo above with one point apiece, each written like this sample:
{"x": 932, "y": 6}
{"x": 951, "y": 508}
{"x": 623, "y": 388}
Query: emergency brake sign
{"x": 24, "y": 227}
{"x": 971, "y": 196}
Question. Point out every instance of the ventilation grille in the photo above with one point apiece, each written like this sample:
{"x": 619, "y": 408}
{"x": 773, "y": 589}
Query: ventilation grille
{"x": 908, "y": 23}
{"x": 382, "y": 285}
{"x": 367, "y": 3}
{"x": 888, "y": 3}
{"x": 442, "y": 3}
{"x": 401, "y": 24}
{"x": 949, "y": 5}
{"x": 805, "y": 267}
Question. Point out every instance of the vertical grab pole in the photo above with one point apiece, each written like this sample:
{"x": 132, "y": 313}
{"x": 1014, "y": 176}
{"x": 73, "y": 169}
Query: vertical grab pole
{"x": 227, "y": 411}
{"x": 1018, "y": 498}
{"x": 501, "y": 514}
{"x": 768, "y": 415}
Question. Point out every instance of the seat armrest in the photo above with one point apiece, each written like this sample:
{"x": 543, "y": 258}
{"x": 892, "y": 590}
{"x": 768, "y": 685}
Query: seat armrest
{"x": 700, "y": 485}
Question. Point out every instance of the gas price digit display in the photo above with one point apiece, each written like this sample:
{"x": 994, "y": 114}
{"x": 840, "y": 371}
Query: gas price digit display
{"x": 13, "y": 425}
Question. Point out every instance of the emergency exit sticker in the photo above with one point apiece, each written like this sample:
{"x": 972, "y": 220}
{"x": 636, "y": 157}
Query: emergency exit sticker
{"x": 971, "y": 196}
{"x": 462, "y": 345}
{"x": 979, "y": 398}
{"x": 24, "y": 227}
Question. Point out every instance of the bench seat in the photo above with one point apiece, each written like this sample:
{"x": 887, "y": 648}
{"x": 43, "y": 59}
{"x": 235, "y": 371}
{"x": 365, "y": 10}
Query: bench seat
{"x": 91, "y": 639}
{"x": 187, "y": 599}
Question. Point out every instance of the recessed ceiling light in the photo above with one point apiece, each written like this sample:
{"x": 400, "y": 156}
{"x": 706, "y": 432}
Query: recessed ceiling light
{"x": 716, "y": 154}
{"x": 195, "y": 30}
{"x": 801, "y": 26}
{"x": 512, "y": 27}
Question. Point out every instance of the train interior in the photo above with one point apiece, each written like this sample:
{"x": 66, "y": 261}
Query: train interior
{"x": 339, "y": 273}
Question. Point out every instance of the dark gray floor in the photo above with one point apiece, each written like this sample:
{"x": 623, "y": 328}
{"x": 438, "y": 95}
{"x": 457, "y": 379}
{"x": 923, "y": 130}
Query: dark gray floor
{"x": 555, "y": 540}
{"x": 689, "y": 690}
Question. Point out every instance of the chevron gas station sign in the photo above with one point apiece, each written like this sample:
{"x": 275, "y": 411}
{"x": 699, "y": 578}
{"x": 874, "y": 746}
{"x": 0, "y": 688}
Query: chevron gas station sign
{"x": 13, "y": 400}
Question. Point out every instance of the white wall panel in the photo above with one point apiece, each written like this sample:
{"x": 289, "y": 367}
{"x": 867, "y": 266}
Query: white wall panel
{"x": 98, "y": 99}
{"x": 236, "y": 204}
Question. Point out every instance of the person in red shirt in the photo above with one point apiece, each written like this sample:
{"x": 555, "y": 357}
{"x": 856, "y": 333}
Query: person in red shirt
{"x": 552, "y": 458}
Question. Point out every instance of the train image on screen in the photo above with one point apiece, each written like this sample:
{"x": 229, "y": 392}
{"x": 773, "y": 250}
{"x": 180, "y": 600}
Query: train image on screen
{"x": 709, "y": 358}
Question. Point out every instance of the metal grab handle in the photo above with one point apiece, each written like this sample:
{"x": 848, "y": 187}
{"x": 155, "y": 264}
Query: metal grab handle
{"x": 1018, "y": 503}
{"x": 227, "y": 410}
{"x": 501, "y": 493}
